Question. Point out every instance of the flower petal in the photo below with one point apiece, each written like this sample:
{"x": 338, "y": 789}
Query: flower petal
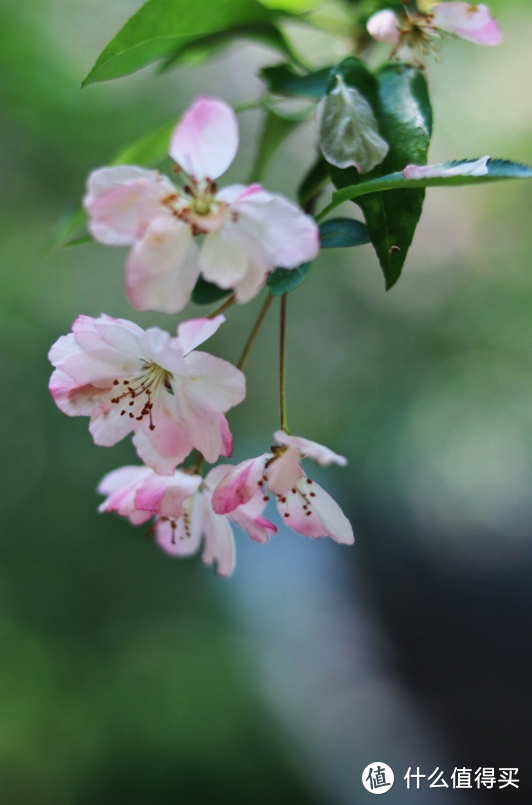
{"x": 284, "y": 472}
{"x": 219, "y": 541}
{"x": 384, "y": 27}
{"x": 468, "y": 21}
{"x": 309, "y": 449}
{"x": 169, "y": 443}
{"x": 224, "y": 257}
{"x": 239, "y": 485}
{"x": 477, "y": 167}
{"x": 181, "y": 537}
{"x": 193, "y": 332}
{"x": 163, "y": 267}
{"x": 311, "y": 511}
{"x": 165, "y": 495}
{"x": 205, "y": 140}
{"x": 73, "y": 399}
{"x": 121, "y": 203}
{"x": 121, "y": 486}
{"x": 212, "y": 383}
{"x": 286, "y": 235}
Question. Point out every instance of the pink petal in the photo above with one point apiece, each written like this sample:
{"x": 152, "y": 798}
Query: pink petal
{"x": 193, "y": 332}
{"x": 165, "y": 495}
{"x": 239, "y": 485}
{"x": 478, "y": 167}
{"x": 121, "y": 203}
{"x": 311, "y": 511}
{"x": 205, "y": 141}
{"x": 73, "y": 399}
{"x": 384, "y": 27}
{"x": 121, "y": 486}
{"x": 284, "y": 472}
{"x": 468, "y": 21}
{"x": 163, "y": 267}
{"x": 168, "y": 444}
{"x": 258, "y": 528}
{"x": 287, "y": 236}
{"x": 308, "y": 449}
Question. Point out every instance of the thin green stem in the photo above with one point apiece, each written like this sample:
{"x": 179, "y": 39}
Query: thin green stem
{"x": 223, "y": 307}
{"x": 282, "y": 366}
{"x": 255, "y": 331}
{"x": 264, "y": 101}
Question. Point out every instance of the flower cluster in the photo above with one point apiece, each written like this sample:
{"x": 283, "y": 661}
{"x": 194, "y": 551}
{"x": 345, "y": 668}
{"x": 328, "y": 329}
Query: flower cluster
{"x": 414, "y": 35}
{"x": 160, "y": 388}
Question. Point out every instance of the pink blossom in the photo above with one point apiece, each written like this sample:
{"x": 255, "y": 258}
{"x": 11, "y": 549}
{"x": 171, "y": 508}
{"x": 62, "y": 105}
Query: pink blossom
{"x": 303, "y": 504}
{"x": 247, "y": 231}
{"x": 184, "y": 516}
{"x": 411, "y": 33}
{"x": 171, "y": 396}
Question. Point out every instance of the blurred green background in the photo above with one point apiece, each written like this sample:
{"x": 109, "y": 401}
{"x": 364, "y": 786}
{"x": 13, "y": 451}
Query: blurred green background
{"x": 126, "y": 677}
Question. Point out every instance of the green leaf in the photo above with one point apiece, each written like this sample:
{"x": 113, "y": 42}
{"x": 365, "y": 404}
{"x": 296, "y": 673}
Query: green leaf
{"x": 284, "y": 280}
{"x": 314, "y": 181}
{"x": 161, "y": 28}
{"x": 341, "y": 232}
{"x": 205, "y": 293}
{"x": 498, "y": 170}
{"x": 275, "y": 130}
{"x": 405, "y": 121}
{"x": 283, "y": 80}
{"x": 266, "y": 34}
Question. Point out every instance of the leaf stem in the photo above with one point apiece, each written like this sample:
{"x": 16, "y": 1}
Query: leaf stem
{"x": 282, "y": 366}
{"x": 223, "y": 307}
{"x": 255, "y": 331}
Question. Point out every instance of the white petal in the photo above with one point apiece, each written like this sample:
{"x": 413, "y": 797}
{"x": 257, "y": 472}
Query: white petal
{"x": 162, "y": 268}
{"x": 224, "y": 257}
{"x": 309, "y": 449}
{"x": 384, "y": 27}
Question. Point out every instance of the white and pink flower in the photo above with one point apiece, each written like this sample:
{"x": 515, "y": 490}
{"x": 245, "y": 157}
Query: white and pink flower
{"x": 303, "y": 504}
{"x": 412, "y": 34}
{"x": 247, "y": 231}
{"x": 184, "y": 517}
{"x": 170, "y": 395}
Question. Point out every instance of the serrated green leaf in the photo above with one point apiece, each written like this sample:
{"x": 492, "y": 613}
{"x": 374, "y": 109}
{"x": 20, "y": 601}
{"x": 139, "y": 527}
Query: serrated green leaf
{"x": 284, "y": 280}
{"x": 314, "y": 181}
{"x": 266, "y": 34}
{"x": 498, "y": 170}
{"x": 283, "y": 80}
{"x": 161, "y": 28}
{"x": 205, "y": 293}
{"x": 405, "y": 121}
{"x": 343, "y": 232}
{"x": 275, "y": 130}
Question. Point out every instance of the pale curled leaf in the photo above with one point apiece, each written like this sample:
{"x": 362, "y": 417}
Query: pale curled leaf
{"x": 348, "y": 130}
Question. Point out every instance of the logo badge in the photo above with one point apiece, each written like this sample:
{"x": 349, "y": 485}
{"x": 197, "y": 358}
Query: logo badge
{"x": 377, "y": 778}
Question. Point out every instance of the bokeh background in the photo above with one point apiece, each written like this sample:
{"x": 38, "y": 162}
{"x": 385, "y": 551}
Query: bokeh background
{"x": 126, "y": 677}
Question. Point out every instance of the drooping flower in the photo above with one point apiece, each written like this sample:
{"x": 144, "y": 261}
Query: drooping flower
{"x": 184, "y": 517}
{"x": 170, "y": 395}
{"x": 412, "y": 34}
{"x": 247, "y": 231}
{"x": 447, "y": 170}
{"x": 303, "y": 504}
{"x": 348, "y": 130}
